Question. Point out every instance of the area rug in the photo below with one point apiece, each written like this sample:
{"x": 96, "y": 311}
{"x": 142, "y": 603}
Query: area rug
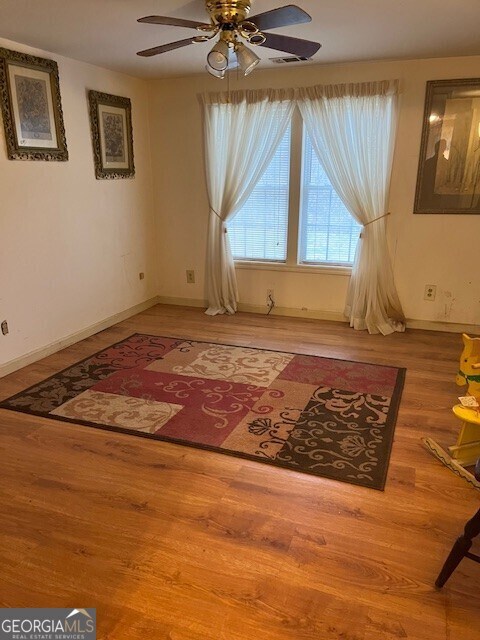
{"x": 323, "y": 416}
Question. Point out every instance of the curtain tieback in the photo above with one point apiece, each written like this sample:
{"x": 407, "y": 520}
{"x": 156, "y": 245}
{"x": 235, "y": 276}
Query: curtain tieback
{"x": 375, "y": 220}
{"x": 225, "y": 230}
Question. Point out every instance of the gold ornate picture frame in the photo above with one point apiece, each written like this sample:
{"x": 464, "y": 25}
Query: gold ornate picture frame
{"x": 448, "y": 179}
{"x": 112, "y": 135}
{"x": 31, "y": 107}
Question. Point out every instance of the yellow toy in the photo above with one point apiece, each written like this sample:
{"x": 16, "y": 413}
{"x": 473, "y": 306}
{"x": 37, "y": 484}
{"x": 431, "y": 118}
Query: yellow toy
{"x": 469, "y": 370}
{"x": 466, "y": 451}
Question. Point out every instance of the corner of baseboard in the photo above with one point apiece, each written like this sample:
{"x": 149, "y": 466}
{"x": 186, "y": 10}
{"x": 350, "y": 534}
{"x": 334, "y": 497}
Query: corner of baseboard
{"x": 62, "y": 343}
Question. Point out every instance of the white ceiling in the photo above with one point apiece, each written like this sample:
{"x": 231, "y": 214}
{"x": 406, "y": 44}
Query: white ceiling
{"x": 106, "y": 32}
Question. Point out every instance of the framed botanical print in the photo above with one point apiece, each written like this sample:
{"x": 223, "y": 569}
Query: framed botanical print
{"x": 111, "y": 122}
{"x": 31, "y": 107}
{"x": 448, "y": 178}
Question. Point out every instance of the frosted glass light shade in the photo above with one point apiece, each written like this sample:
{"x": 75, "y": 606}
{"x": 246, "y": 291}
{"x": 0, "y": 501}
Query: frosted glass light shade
{"x": 246, "y": 58}
{"x": 218, "y": 57}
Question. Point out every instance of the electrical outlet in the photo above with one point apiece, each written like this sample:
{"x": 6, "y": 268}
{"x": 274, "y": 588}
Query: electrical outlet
{"x": 430, "y": 292}
{"x": 4, "y": 326}
{"x": 190, "y": 276}
{"x": 270, "y": 298}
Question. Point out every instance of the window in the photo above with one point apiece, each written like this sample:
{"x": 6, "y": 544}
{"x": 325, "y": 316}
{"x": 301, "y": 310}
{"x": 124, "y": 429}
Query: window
{"x": 296, "y": 200}
{"x": 259, "y": 230}
{"x": 328, "y": 232}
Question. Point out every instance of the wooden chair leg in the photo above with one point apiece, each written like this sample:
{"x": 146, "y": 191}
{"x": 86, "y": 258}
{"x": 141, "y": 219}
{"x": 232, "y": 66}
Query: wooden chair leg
{"x": 460, "y": 550}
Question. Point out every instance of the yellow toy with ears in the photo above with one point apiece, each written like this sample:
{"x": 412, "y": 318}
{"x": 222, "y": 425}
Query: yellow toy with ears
{"x": 467, "y": 449}
{"x": 469, "y": 370}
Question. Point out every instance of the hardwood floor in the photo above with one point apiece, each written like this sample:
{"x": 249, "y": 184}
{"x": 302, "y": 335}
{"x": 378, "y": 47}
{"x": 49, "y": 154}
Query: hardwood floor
{"x": 170, "y": 542}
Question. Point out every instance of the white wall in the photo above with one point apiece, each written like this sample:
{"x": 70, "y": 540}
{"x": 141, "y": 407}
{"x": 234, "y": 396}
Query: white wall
{"x": 427, "y": 249}
{"x": 71, "y": 246}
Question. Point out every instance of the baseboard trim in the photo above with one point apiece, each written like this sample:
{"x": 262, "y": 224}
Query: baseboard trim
{"x": 316, "y": 314}
{"x": 261, "y": 309}
{"x": 57, "y": 345}
{"x": 182, "y": 302}
{"x": 319, "y": 314}
{"x": 291, "y": 312}
{"x": 437, "y": 325}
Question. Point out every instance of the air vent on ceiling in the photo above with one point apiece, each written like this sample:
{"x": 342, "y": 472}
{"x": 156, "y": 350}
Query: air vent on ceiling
{"x": 290, "y": 59}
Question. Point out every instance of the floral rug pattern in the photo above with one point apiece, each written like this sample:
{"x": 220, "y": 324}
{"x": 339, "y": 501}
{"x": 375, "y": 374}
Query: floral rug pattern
{"x": 328, "y": 417}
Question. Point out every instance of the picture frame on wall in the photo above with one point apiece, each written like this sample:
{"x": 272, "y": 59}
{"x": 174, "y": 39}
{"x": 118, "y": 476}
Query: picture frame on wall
{"x": 448, "y": 179}
{"x": 112, "y": 135}
{"x": 31, "y": 107}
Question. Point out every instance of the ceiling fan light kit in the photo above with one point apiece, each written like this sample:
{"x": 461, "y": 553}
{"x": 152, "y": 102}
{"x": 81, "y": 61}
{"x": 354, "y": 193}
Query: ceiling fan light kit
{"x": 228, "y": 20}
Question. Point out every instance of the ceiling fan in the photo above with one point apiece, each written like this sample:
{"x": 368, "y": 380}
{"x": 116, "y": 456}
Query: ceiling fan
{"x": 228, "y": 20}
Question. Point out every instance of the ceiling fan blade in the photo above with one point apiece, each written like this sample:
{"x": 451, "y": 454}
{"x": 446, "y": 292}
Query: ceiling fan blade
{"x": 172, "y": 22}
{"x": 295, "y": 46}
{"x": 165, "y": 47}
{"x": 281, "y": 17}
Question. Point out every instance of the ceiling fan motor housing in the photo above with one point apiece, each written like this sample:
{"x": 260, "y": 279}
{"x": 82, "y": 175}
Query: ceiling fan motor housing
{"x": 228, "y": 11}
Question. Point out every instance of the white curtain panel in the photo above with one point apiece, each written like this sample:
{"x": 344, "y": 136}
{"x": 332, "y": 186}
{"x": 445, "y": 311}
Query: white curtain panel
{"x": 242, "y": 133}
{"x": 352, "y": 128}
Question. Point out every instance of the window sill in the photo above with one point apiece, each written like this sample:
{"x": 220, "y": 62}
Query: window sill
{"x": 331, "y": 270}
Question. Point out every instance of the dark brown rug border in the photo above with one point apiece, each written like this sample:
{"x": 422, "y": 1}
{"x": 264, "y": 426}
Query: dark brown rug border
{"x": 392, "y": 414}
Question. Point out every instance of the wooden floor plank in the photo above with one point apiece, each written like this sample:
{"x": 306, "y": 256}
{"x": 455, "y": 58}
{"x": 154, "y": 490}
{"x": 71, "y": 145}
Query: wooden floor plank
{"x": 174, "y": 543}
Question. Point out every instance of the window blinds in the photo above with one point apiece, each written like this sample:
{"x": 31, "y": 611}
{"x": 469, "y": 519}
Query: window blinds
{"x": 259, "y": 230}
{"x": 328, "y": 233}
